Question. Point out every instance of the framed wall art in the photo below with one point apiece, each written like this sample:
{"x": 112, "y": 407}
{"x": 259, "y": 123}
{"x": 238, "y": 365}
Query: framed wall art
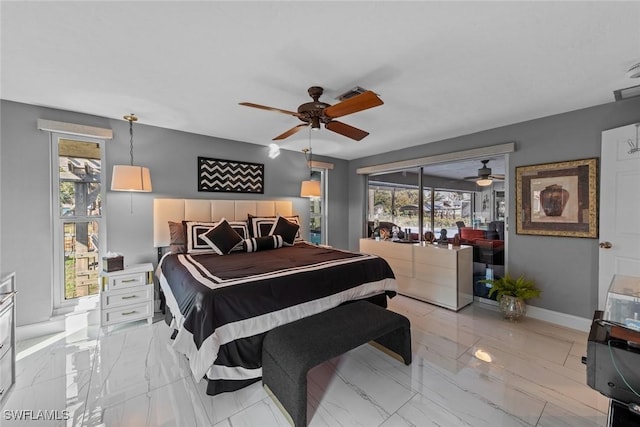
{"x": 558, "y": 199}
{"x": 230, "y": 176}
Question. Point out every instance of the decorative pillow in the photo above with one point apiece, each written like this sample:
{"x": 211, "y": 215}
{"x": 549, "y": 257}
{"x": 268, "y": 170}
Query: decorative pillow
{"x": 261, "y": 225}
{"x": 193, "y": 230}
{"x": 178, "y": 240}
{"x": 288, "y": 230}
{"x": 262, "y": 243}
{"x": 242, "y": 229}
{"x": 221, "y": 238}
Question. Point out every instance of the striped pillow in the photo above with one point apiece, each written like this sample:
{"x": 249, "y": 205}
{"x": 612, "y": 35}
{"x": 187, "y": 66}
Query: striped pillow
{"x": 256, "y": 244}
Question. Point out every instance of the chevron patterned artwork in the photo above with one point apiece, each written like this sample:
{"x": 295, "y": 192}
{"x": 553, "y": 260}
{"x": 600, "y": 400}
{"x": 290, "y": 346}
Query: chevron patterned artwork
{"x": 230, "y": 176}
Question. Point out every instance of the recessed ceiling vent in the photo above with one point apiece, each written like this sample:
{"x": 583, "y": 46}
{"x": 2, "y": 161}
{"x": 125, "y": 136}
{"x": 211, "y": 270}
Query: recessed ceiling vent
{"x": 351, "y": 93}
{"x": 626, "y": 93}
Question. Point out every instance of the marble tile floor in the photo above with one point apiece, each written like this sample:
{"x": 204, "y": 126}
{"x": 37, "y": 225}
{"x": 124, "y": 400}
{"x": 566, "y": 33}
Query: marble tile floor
{"x": 470, "y": 368}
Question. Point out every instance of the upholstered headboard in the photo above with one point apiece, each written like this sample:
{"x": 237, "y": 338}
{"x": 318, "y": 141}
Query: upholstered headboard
{"x": 165, "y": 210}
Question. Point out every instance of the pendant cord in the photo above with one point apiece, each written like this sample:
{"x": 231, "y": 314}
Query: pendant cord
{"x": 131, "y": 140}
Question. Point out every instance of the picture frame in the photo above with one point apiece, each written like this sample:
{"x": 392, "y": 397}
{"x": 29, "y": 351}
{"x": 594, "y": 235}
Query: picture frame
{"x": 558, "y": 199}
{"x": 230, "y": 176}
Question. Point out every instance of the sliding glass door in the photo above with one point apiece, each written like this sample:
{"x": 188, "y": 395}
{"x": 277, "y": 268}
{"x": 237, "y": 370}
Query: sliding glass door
{"x": 444, "y": 199}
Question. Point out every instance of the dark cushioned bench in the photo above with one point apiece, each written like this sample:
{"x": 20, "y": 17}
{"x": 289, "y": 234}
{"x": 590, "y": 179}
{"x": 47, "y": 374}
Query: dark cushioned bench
{"x": 289, "y": 351}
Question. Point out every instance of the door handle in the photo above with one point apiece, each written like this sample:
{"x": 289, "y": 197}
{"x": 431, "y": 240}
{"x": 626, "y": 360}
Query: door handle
{"x": 606, "y": 245}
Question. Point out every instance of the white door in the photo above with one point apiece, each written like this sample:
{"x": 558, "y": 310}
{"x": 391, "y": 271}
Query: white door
{"x": 619, "y": 206}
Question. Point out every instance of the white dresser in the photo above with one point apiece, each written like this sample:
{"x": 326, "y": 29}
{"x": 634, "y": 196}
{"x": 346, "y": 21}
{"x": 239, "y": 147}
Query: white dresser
{"x": 127, "y": 295}
{"x": 7, "y": 335}
{"x": 441, "y": 275}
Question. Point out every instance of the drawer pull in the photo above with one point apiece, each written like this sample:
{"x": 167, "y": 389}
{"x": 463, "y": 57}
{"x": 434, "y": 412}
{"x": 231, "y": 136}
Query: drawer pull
{"x": 1, "y": 345}
{"x": 129, "y": 280}
{"x": 128, "y": 313}
{"x": 130, "y": 297}
{"x": 1, "y": 392}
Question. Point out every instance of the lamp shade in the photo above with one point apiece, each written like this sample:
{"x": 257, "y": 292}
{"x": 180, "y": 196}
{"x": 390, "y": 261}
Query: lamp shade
{"x": 310, "y": 189}
{"x": 131, "y": 178}
{"x": 484, "y": 182}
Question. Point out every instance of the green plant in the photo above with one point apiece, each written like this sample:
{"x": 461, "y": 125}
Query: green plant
{"x": 507, "y": 285}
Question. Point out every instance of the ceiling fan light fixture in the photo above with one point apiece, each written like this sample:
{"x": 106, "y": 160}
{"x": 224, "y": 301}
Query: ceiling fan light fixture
{"x": 484, "y": 182}
{"x": 315, "y": 123}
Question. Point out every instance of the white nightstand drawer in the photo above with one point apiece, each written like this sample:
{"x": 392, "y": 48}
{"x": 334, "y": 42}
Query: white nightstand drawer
{"x": 127, "y": 296}
{"x": 127, "y": 281}
{"x": 127, "y": 313}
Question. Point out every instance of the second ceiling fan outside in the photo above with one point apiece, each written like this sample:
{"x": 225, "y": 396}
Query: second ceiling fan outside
{"x": 485, "y": 176}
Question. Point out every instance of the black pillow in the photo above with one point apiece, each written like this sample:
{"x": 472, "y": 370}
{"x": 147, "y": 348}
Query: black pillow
{"x": 286, "y": 229}
{"x": 262, "y": 243}
{"x": 222, "y": 238}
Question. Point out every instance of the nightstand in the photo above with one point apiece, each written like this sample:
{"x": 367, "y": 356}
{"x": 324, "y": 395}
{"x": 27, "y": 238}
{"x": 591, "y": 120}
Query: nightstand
{"x": 126, "y": 295}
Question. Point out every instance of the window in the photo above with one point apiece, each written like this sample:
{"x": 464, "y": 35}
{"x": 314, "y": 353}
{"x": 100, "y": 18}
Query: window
{"x": 396, "y": 203}
{"x": 449, "y": 208}
{"x": 317, "y": 209}
{"x": 77, "y": 217}
{"x": 393, "y": 199}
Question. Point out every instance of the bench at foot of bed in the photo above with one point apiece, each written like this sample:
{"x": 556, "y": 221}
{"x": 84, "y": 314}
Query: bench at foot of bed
{"x": 289, "y": 351}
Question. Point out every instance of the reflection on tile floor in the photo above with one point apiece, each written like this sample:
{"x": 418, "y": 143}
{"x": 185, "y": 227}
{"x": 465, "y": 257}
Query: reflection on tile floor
{"x": 470, "y": 368}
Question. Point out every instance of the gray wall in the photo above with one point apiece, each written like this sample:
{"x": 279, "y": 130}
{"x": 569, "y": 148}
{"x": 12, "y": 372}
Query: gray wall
{"x": 25, "y": 212}
{"x": 565, "y": 268}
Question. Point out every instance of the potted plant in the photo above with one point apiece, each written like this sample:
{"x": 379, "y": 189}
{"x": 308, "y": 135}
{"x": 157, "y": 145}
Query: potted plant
{"x": 512, "y": 293}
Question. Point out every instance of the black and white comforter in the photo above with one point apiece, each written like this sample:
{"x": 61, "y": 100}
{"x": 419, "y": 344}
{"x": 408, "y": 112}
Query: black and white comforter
{"x": 224, "y": 305}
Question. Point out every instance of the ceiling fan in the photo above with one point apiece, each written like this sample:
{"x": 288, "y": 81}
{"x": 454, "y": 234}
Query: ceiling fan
{"x": 316, "y": 112}
{"x": 485, "y": 177}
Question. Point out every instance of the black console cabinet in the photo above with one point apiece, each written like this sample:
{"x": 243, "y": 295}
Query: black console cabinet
{"x": 613, "y": 369}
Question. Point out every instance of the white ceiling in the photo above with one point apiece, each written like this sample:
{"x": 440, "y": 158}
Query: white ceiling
{"x": 443, "y": 69}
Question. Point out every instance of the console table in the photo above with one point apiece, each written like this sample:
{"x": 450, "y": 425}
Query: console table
{"x": 438, "y": 274}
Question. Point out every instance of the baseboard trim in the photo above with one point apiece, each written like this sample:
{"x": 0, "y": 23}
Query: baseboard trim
{"x": 57, "y": 324}
{"x": 555, "y": 317}
{"x": 562, "y": 319}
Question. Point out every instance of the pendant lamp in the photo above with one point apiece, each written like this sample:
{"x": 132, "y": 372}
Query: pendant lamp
{"x": 310, "y": 188}
{"x": 130, "y": 177}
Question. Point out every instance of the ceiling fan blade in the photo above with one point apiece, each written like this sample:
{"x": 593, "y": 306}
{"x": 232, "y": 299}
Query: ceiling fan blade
{"x": 360, "y": 102}
{"x": 291, "y": 131}
{"x": 264, "y": 107}
{"x": 346, "y": 130}
{"x": 497, "y": 176}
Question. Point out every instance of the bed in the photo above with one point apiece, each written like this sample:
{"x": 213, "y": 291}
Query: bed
{"x": 223, "y": 305}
